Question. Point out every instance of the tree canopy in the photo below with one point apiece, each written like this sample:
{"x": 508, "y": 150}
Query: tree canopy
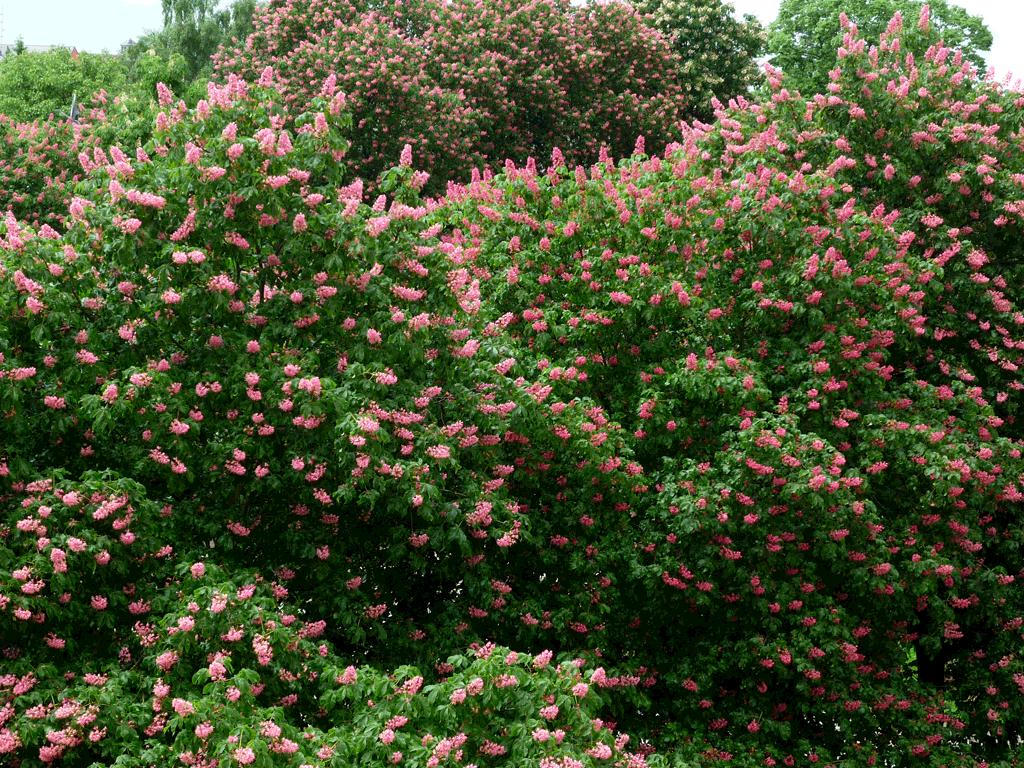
{"x": 37, "y": 84}
{"x": 805, "y": 36}
{"x": 716, "y": 50}
{"x": 193, "y": 31}
{"x": 470, "y": 84}
{"x": 707, "y": 455}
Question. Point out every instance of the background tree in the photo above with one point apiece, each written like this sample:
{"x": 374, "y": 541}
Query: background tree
{"x": 805, "y": 36}
{"x": 716, "y": 50}
{"x": 242, "y": 23}
{"x": 37, "y": 84}
{"x": 193, "y": 31}
{"x": 470, "y": 85}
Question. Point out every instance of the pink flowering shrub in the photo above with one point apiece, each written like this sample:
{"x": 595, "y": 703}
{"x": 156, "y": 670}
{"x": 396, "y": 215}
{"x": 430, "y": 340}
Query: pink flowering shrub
{"x": 41, "y": 162}
{"x": 38, "y": 168}
{"x": 470, "y": 84}
{"x": 194, "y": 682}
{"x": 129, "y": 585}
{"x": 706, "y": 455}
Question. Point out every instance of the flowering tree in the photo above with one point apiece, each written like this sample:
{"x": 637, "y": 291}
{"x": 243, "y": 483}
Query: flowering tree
{"x": 804, "y": 37}
{"x": 716, "y": 50}
{"x": 716, "y": 449}
{"x": 148, "y": 650}
{"x": 39, "y": 163}
{"x": 38, "y": 167}
{"x": 470, "y": 84}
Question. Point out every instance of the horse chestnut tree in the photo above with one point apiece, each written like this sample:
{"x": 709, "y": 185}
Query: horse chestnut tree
{"x": 470, "y": 84}
{"x": 709, "y": 455}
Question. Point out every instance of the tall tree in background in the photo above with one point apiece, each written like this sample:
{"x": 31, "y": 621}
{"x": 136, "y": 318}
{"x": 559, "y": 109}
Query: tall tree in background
{"x": 716, "y": 49}
{"x": 242, "y": 23}
{"x": 804, "y": 38}
{"x": 193, "y": 31}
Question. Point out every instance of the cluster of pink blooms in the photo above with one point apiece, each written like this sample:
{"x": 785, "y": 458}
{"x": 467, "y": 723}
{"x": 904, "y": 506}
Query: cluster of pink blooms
{"x": 778, "y": 466}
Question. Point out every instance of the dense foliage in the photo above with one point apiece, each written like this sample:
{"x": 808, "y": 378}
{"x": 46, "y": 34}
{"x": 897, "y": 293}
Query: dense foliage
{"x": 193, "y": 31}
{"x": 718, "y": 449}
{"x": 37, "y": 85}
{"x": 470, "y": 84}
{"x": 38, "y": 168}
{"x": 116, "y": 105}
{"x": 803, "y": 39}
{"x": 716, "y": 50}
{"x": 39, "y": 161}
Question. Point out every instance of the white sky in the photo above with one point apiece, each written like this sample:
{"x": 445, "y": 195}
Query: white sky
{"x": 95, "y": 25}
